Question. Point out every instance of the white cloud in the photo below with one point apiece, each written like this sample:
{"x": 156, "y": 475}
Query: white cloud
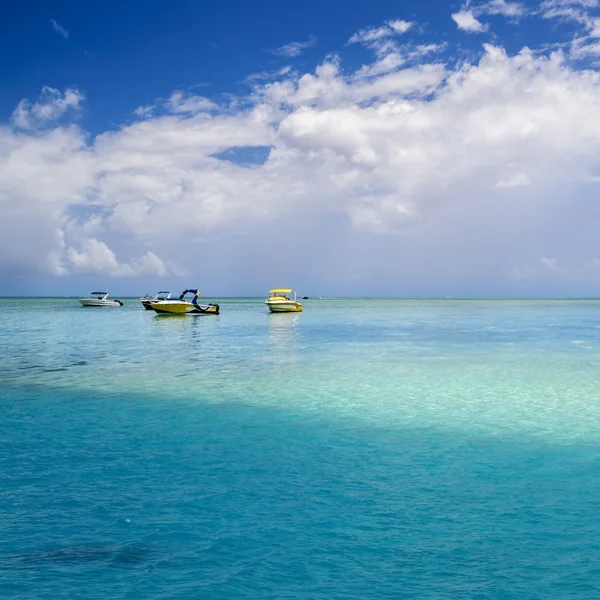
{"x": 181, "y": 103}
{"x": 429, "y": 169}
{"x": 392, "y": 57}
{"x": 266, "y": 75}
{"x": 59, "y": 29}
{"x": 504, "y": 8}
{"x": 584, "y": 43}
{"x": 143, "y": 112}
{"x": 329, "y": 88}
{"x": 400, "y": 26}
{"x": 594, "y": 27}
{"x": 389, "y": 62}
{"x": 466, "y": 20}
{"x": 96, "y": 258}
{"x": 422, "y": 50}
{"x": 582, "y": 48}
{"x": 50, "y": 106}
{"x": 549, "y": 4}
{"x": 373, "y": 34}
{"x": 577, "y": 11}
{"x": 41, "y": 176}
{"x": 294, "y": 49}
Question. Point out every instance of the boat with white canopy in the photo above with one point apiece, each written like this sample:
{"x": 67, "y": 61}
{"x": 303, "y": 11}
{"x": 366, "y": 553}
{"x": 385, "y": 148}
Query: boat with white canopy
{"x": 99, "y": 299}
{"x": 145, "y": 300}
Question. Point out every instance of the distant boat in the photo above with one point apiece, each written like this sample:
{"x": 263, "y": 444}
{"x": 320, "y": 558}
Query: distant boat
{"x": 283, "y": 300}
{"x": 181, "y": 306}
{"x": 99, "y": 299}
{"x": 145, "y": 300}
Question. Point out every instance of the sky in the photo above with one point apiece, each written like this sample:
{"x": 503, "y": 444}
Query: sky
{"x": 340, "y": 147}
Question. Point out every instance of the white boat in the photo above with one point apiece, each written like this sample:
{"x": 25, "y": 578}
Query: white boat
{"x": 181, "y": 306}
{"x": 160, "y": 296}
{"x": 99, "y": 299}
{"x": 283, "y": 300}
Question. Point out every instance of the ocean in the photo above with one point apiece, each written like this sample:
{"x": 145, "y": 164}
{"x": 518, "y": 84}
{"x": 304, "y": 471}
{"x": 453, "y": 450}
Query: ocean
{"x": 364, "y": 448}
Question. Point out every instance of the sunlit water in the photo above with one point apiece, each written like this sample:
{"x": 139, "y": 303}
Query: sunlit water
{"x": 360, "y": 449}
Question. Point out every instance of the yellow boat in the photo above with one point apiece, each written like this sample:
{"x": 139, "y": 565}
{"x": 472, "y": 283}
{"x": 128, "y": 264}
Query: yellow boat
{"x": 283, "y": 300}
{"x": 181, "y": 306}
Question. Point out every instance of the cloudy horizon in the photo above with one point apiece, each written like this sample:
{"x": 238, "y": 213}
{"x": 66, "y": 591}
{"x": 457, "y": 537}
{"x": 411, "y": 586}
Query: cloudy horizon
{"x": 406, "y": 160}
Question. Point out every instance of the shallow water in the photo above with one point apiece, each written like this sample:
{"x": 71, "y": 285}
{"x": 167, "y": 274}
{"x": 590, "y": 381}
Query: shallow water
{"x": 360, "y": 449}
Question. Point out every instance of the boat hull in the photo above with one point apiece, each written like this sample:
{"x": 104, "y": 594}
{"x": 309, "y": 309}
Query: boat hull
{"x": 93, "y": 302}
{"x": 184, "y": 308}
{"x": 284, "y": 307}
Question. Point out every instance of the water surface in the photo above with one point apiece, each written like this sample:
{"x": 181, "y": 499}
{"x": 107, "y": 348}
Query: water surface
{"x": 360, "y": 449}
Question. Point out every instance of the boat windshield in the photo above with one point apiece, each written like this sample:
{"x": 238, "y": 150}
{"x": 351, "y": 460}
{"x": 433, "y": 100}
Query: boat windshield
{"x": 99, "y": 294}
{"x": 286, "y": 293}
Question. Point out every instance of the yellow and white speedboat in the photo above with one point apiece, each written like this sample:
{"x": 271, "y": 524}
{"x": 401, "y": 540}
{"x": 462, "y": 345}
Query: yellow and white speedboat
{"x": 181, "y": 306}
{"x": 283, "y": 300}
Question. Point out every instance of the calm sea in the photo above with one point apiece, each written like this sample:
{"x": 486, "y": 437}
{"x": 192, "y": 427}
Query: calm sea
{"x": 360, "y": 449}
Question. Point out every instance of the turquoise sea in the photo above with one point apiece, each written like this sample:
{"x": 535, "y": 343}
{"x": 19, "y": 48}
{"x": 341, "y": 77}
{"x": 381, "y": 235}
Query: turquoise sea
{"x": 361, "y": 449}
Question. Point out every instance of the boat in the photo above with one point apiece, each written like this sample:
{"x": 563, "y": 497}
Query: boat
{"x": 283, "y": 300}
{"x": 183, "y": 306}
{"x": 99, "y": 299}
{"x": 145, "y": 300}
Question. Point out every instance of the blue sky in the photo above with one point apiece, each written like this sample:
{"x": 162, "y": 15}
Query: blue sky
{"x": 356, "y": 148}
{"x": 123, "y": 55}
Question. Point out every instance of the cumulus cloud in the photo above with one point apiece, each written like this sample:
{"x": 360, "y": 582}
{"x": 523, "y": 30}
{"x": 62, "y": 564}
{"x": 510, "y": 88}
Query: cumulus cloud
{"x": 50, "y": 106}
{"x": 433, "y": 171}
{"x": 466, "y": 20}
{"x": 96, "y": 258}
{"x": 41, "y": 176}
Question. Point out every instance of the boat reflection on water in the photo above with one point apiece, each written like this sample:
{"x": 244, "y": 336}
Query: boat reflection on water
{"x": 283, "y": 334}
